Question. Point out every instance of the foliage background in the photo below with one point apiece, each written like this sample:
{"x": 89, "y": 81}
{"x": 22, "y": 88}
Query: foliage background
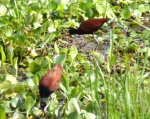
{"x": 113, "y": 84}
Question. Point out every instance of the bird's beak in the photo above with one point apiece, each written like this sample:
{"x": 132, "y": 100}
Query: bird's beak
{"x": 43, "y": 113}
{"x": 43, "y": 103}
{"x": 69, "y": 37}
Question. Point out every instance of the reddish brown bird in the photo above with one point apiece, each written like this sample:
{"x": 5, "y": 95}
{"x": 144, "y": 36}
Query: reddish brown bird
{"x": 49, "y": 83}
{"x": 88, "y": 26}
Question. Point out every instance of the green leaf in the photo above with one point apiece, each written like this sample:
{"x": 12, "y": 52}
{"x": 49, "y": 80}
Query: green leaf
{"x": 52, "y": 5}
{"x": 21, "y": 39}
{"x": 2, "y": 112}
{"x": 99, "y": 57}
{"x": 8, "y": 32}
{"x": 35, "y": 6}
{"x": 60, "y": 59}
{"x": 2, "y": 54}
{"x": 29, "y": 19}
{"x": 4, "y": 86}
{"x": 89, "y": 115}
{"x": 34, "y": 67}
{"x": 126, "y": 14}
{"x": 51, "y": 29}
{"x": 36, "y": 25}
{"x": 19, "y": 88}
{"x": 145, "y": 35}
{"x": 29, "y": 103}
{"x": 89, "y": 1}
{"x": 56, "y": 48}
{"x": 34, "y": 81}
{"x": 46, "y": 63}
{"x": 15, "y": 102}
{"x": 145, "y": 50}
{"x": 17, "y": 115}
{"x": 3, "y": 10}
{"x": 9, "y": 51}
{"x": 64, "y": 50}
{"x": 15, "y": 65}
{"x": 137, "y": 13}
{"x": 11, "y": 78}
{"x": 89, "y": 13}
{"x": 99, "y": 8}
{"x": 12, "y": 2}
{"x": 73, "y": 109}
{"x": 75, "y": 102}
{"x": 73, "y": 52}
{"x": 49, "y": 37}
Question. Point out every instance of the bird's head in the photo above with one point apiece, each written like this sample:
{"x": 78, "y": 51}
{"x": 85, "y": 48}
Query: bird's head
{"x": 73, "y": 31}
{"x": 43, "y": 104}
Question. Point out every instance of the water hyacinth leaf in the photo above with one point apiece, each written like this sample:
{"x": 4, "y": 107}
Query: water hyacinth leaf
{"x": 137, "y": 13}
{"x": 29, "y": 19}
{"x": 51, "y": 29}
{"x": 2, "y": 54}
{"x": 33, "y": 53}
{"x": 65, "y": 1}
{"x": 73, "y": 109}
{"x": 73, "y": 52}
{"x": 17, "y": 115}
{"x": 60, "y": 59}
{"x": 52, "y": 5}
{"x": 36, "y": 111}
{"x": 145, "y": 35}
{"x": 145, "y": 50}
{"x": 90, "y": 1}
{"x": 34, "y": 67}
{"x": 9, "y": 52}
{"x": 11, "y": 78}
{"x": 3, "y": 10}
{"x": 99, "y": 57}
{"x": 46, "y": 63}
{"x": 19, "y": 88}
{"x": 75, "y": 102}
{"x": 35, "y": 6}
{"x": 4, "y": 86}
{"x": 31, "y": 82}
{"x": 49, "y": 37}
{"x": 15, "y": 65}
{"x": 89, "y": 115}
{"x": 36, "y": 25}
{"x": 57, "y": 23}
{"x": 21, "y": 39}
{"x": 89, "y": 13}
{"x": 64, "y": 50}
{"x": 15, "y": 101}
{"x": 2, "y": 112}
{"x": 29, "y": 103}
{"x": 56, "y": 48}
{"x": 126, "y": 14}
{"x": 99, "y": 8}
{"x": 9, "y": 32}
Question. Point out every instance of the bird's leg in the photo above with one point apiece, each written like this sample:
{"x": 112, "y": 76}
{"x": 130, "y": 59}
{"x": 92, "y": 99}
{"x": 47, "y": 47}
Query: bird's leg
{"x": 96, "y": 41}
{"x": 95, "y": 38}
{"x": 48, "y": 104}
{"x": 46, "y": 107}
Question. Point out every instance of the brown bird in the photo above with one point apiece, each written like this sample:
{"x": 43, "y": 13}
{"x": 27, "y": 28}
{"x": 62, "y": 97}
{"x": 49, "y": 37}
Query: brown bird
{"x": 88, "y": 26}
{"x": 49, "y": 83}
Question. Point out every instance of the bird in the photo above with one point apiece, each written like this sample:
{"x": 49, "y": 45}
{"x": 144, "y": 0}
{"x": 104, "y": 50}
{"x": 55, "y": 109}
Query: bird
{"x": 88, "y": 27}
{"x": 49, "y": 83}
